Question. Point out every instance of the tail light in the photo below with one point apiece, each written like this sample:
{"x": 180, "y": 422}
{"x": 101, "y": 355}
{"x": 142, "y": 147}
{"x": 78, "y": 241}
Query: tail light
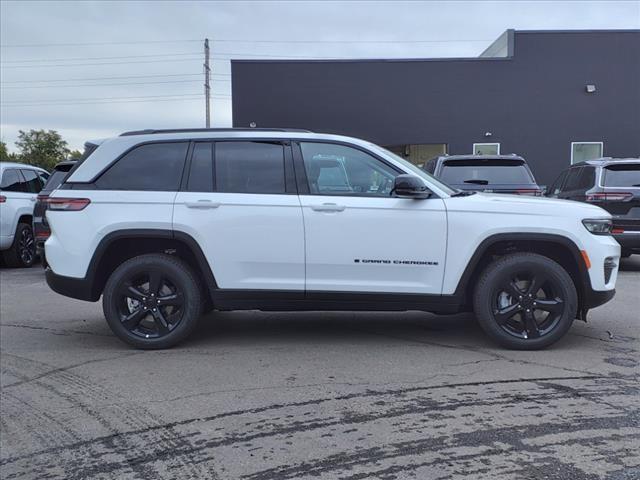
{"x": 529, "y": 191}
{"x": 617, "y": 230}
{"x": 67, "y": 204}
{"x": 609, "y": 197}
{"x": 3, "y": 199}
{"x": 42, "y": 198}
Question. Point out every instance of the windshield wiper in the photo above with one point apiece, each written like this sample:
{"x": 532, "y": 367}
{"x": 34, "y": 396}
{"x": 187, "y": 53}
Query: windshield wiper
{"x": 477, "y": 181}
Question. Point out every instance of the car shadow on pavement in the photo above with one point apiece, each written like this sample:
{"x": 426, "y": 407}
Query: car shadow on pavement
{"x": 333, "y": 327}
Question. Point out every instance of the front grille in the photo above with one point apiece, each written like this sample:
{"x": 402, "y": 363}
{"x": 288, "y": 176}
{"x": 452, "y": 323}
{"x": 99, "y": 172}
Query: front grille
{"x": 609, "y": 265}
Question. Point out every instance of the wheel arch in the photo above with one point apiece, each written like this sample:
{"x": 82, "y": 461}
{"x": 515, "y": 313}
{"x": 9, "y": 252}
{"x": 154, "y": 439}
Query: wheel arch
{"x": 556, "y": 247}
{"x": 120, "y": 245}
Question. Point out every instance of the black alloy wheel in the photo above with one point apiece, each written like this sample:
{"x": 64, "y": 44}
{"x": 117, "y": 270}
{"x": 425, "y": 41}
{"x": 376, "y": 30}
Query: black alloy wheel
{"x": 22, "y": 253}
{"x": 528, "y": 304}
{"x": 27, "y": 247}
{"x": 152, "y": 301}
{"x": 150, "y": 304}
{"x": 525, "y": 301}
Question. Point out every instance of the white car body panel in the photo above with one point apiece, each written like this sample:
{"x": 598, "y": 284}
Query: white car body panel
{"x": 76, "y": 235}
{"x": 251, "y": 241}
{"x": 374, "y": 244}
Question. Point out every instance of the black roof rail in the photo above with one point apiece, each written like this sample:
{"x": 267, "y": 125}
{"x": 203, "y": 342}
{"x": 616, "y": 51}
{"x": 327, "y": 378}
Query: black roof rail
{"x": 151, "y": 131}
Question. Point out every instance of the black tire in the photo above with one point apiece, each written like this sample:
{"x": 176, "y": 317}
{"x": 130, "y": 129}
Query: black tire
{"x": 22, "y": 253}
{"x": 152, "y": 301}
{"x": 625, "y": 253}
{"x": 525, "y": 301}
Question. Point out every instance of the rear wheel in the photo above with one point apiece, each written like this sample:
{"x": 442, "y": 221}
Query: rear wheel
{"x": 525, "y": 301}
{"x": 152, "y": 301}
{"x": 22, "y": 253}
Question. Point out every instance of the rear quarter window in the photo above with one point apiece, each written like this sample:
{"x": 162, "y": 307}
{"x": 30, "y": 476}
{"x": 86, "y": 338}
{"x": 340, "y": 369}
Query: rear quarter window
{"x": 149, "y": 167}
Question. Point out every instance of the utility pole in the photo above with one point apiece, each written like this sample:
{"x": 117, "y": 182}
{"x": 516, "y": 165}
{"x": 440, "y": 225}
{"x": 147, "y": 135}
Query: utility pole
{"x": 207, "y": 86}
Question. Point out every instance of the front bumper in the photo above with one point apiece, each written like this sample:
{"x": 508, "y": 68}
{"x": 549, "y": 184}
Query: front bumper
{"x": 595, "y": 298}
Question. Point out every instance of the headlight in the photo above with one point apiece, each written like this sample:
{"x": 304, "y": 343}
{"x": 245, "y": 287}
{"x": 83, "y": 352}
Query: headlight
{"x": 598, "y": 226}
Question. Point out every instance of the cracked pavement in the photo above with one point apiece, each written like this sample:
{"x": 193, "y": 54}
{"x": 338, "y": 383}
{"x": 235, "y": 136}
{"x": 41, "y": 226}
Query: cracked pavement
{"x": 262, "y": 396}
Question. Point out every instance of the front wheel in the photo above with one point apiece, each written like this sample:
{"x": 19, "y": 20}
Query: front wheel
{"x": 152, "y": 301}
{"x": 525, "y": 301}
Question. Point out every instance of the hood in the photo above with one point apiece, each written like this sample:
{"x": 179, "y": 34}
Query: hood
{"x": 525, "y": 205}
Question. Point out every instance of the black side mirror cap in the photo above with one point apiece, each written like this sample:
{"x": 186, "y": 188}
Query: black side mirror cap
{"x": 410, "y": 186}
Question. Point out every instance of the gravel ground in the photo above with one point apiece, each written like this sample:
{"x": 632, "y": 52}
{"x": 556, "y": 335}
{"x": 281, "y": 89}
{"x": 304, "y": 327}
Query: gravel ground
{"x": 293, "y": 396}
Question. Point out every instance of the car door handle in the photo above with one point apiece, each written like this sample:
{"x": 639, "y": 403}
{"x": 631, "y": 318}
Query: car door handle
{"x": 328, "y": 207}
{"x": 202, "y": 204}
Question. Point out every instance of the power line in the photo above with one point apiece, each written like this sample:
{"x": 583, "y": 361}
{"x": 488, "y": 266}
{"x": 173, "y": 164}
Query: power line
{"x": 104, "y": 98}
{"x": 108, "y": 84}
{"x": 199, "y": 99}
{"x": 73, "y": 59}
{"x": 116, "y": 78}
{"x": 85, "y": 44}
{"x": 351, "y": 41}
{"x": 168, "y": 60}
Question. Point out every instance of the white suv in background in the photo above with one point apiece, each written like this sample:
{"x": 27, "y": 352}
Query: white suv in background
{"x": 19, "y": 187}
{"x": 165, "y": 223}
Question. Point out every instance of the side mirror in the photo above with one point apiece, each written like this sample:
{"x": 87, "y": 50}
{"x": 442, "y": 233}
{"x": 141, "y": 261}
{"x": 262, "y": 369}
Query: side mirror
{"x": 410, "y": 186}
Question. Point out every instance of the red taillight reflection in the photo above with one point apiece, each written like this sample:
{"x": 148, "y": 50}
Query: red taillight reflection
{"x": 67, "y": 204}
{"x": 617, "y": 230}
{"x": 609, "y": 197}
{"x": 3, "y": 199}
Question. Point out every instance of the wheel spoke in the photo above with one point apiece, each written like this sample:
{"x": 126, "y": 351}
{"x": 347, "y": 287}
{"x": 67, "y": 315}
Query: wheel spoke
{"x": 552, "y": 306}
{"x": 534, "y": 285}
{"x": 531, "y": 326}
{"x": 130, "y": 291}
{"x": 132, "y": 320}
{"x": 174, "y": 299}
{"x": 513, "y": 290}
{"x": 155, "y": 282}
{"x": 504, "y": 314}
{"x": 160, "y": 321}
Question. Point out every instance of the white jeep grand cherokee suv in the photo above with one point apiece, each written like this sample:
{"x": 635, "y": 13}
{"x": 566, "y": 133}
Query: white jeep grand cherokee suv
{"x": 166, "y": 224}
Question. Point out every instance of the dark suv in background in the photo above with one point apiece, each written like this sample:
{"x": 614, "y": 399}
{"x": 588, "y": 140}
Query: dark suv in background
{"x": 610, "y": 183}
{"x": 485, "y": 173}
{"x": 41, "y": 229}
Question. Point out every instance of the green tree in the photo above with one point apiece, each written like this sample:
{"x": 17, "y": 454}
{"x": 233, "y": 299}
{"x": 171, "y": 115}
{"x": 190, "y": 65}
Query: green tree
{"x": 4, "y": 153}
{"x": 43, "y": 148}
{"x": 75, "y": 155}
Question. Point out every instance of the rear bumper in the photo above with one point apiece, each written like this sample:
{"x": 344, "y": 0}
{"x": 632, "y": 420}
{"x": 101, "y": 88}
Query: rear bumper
{"x": 72, "y": 287}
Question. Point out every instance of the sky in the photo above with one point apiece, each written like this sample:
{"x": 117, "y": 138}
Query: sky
{"x": 93, "y": 69}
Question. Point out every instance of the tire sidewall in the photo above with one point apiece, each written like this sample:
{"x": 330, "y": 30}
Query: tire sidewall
{"x": 497, "y": 273}
{"x": 179, "y": 274}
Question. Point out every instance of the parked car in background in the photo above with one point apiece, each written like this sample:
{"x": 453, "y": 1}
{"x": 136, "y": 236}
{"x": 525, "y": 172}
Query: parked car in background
{"x": 485, "y": 173}
{"x": 40, "y": 226}
{"x": 19, "y": 186}
{"x": 610, "y": 183}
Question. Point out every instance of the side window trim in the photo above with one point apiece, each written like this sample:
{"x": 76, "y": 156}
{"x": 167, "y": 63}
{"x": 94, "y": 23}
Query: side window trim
{"x": 300, "y": 171}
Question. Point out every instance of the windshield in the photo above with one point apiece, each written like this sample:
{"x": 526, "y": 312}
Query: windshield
{"x": 417, "y": 171}
{"x": 485, "y": 172}
{"x": 621, "y": 175}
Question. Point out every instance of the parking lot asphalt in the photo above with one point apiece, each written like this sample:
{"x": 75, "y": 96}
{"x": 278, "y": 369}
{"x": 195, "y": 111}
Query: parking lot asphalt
{"x": 291, "y": 396}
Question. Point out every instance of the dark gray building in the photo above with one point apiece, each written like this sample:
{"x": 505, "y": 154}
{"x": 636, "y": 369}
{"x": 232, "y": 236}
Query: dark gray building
{"x": 550, "y": 96}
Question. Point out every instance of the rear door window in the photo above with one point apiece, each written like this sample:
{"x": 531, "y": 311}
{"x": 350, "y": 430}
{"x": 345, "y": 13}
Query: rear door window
{"x": 12, "y": 181}
{"x": 34, "y": 184}
{"x": 485, "y": 172}
{"x": 249, "y": 167}
{"x": 573, "y": 180}
{"x": 627, "y": 175}
{"x": 150, "y": 167}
